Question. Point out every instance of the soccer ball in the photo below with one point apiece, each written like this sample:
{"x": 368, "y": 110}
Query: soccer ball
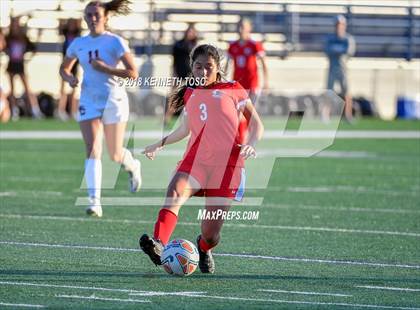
{"x": 180, "y": 257}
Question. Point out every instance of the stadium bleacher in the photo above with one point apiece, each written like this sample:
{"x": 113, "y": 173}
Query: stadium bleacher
{"x": 380, "y": 30}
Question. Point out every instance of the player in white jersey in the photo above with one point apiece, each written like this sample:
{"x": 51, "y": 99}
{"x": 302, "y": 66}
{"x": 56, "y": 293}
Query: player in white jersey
{"x": 103, "y": 104}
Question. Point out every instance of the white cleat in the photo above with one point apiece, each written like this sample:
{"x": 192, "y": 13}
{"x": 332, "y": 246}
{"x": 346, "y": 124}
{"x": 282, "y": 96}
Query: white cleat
{"x": 95, "y": 208}
{"x": 15, "y": 114}
{"x": 62, "y": 116}
{"x": 135, "y": 177}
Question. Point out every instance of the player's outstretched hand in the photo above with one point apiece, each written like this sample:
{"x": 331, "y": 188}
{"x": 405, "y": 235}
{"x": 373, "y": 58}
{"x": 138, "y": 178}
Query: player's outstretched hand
{"x": 247, "y": 151}
{"x": 150, "y": 150}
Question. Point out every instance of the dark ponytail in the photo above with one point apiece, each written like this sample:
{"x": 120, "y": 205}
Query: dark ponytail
{"x": 176, "y": 100}
{"x": 118, "y": 7}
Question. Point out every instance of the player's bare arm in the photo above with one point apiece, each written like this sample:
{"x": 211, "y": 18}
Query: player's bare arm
{"x": 65, "y": 71}
{"x": 177, "y": 135}
{"x": 127, "y": 59}
{"x": 256, "y": 130}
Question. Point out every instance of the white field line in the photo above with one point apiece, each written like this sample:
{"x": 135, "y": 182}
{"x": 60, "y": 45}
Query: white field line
{"x": 280, "y": 227}
{"x": 102, "y": 298}
{"x": 340, "y": 209}
{"x": 246, "y": 202}
{"x": 341, "y": 134}
{"x": 159, "y": 201}
{"x": 151, "y": 293}
{"x": 189, "y": 294}
{"x": 337, "y": 189}
{"x": 389, "y": 288}
{"x": 29, "y": 179}
{"x": 330, "y": 229}
{"x": 296, "y": 302}
{"x": 304, "y": 293}
{"x": 6, "y": 304}
{"x": 31, "y": 193}
{"x": 8, "y": 194}
{"x": 83, "y": 219}
{"x": 65, "y": 246}
{"x": 321, "y": 261}
{"x": 101, "y": 289}
{"x": 251, "y": 201}
{"x": 249, "y": 256}
{"x": 268, "y": 134}
{"x": 280, "y": 152}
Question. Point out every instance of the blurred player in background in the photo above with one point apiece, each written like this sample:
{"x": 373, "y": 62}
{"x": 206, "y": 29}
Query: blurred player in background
{"x": 17, "y": 45}
{"x": 213, "y": 164}
{"x": 181, "y": 56}
{"x": 338, "y": 48}
{"x": 70, "y": 29}
{"x": 103, "y": 105}
{"x": 4, "y": 107}
{"x": 244, "y": 53}
{"x": 4, "y": 103}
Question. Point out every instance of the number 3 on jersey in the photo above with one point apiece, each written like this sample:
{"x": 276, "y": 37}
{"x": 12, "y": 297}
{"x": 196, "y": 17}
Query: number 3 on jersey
{"x": 203, "y": 109}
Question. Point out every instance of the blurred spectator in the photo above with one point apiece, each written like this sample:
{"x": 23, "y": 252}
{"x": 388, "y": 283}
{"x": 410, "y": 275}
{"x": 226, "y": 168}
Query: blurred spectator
{"x": 17, "y": 45}
{"x": 338, "y": 48}
{"x": 181, "y": 54}
{"x": 70, "y": 29}
{"x": 4, "y": 103}
{"x": 4, "y": 107}
{"x": 244, "y": 53}
{"x": 2, "y": 41}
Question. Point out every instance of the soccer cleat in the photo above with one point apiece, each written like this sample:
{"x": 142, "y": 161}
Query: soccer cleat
{"x": 153, "y": 248}
{"x": 94, "y": 208}
{"x": 135, "y": 177}
{"x": 206, "y": 262}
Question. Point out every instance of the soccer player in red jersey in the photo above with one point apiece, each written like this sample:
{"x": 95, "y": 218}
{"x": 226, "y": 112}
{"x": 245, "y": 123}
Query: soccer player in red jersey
{"x": 244, "y": 53}
{"x": 213, "y": 163}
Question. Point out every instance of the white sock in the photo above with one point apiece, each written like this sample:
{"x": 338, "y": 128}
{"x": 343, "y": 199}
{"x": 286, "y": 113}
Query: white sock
{"x": 128, "y": 160}
{"x": 93, "y": 176}
{"x": 35, "y": 110}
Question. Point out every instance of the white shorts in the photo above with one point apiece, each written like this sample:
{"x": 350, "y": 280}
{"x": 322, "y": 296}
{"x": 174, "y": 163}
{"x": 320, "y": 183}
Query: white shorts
{"x": 114, "y": 111}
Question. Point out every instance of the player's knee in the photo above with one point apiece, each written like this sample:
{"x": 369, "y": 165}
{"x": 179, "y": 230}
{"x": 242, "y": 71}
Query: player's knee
{"x": 174, "y": 192}
{"x": 176, "y": 189}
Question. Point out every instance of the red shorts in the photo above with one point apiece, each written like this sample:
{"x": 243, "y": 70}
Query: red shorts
{"x": 216, "y": 181}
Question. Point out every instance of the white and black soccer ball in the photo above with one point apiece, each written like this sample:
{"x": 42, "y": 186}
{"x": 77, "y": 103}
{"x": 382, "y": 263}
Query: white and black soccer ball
{"x": 180, "y": 257}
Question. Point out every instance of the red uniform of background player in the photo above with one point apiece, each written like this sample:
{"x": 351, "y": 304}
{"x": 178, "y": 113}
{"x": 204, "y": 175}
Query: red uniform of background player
{"x": 212, "y": 155}
{"x": 244, "y": 53}
{"x": 213, "y": 164}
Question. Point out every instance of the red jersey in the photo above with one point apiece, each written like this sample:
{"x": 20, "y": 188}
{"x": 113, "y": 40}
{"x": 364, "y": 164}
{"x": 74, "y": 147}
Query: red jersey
{"x": 213, "y": 117}
{"x": 244, "y": 54}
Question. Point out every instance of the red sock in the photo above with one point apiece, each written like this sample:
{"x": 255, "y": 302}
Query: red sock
{"x": 165, "y": 225}
{"x": 204, "y": 245}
